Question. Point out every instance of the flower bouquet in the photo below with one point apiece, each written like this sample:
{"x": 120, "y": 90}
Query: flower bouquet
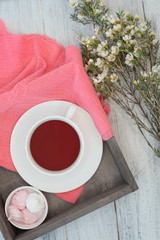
{"x": 121, "y": 59}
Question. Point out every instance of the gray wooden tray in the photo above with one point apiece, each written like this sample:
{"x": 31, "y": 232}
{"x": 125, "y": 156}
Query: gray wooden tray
{"x": 111, "y": 181}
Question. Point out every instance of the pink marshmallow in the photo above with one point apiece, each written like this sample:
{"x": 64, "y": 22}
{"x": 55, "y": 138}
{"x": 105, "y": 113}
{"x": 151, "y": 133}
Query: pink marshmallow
{"x": 28, "y": 217}
{"x": 14, "y": 214}
{"x": 19, "y": 199}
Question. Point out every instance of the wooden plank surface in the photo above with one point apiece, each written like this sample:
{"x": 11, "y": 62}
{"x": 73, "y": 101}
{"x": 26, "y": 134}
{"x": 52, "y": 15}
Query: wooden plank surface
{"x": 136, "y": 216}
{"x": 138, "y": 213}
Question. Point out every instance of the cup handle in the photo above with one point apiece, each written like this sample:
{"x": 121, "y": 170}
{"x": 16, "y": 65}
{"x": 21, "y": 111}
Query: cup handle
{"x": 71, "y": 111}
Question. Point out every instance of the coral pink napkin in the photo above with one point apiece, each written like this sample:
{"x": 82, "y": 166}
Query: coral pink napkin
{"x": 35, "y": 69}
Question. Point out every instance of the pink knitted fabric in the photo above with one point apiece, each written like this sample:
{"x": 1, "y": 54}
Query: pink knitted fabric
{"x": 35, "y": 69}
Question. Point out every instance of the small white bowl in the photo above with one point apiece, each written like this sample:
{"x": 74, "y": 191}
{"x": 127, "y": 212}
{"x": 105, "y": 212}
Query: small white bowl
{"x": 42, "y": 215}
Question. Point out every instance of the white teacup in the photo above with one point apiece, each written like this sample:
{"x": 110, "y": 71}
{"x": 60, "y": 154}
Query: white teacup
{"x": 36, "y": 151}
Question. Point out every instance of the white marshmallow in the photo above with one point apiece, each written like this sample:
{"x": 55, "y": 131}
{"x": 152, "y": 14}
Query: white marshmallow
{"x": 35, "y": 203}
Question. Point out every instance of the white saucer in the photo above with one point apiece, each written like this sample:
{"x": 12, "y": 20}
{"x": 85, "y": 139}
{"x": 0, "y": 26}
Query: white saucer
{"x": 56, "y": 183}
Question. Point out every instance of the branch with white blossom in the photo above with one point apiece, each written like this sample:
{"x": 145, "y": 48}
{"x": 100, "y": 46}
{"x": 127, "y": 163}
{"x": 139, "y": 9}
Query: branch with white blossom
{"x": 121, "y": 59}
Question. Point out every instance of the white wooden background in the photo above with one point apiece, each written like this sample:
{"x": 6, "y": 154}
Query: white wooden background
{"x": 135, "y": 216}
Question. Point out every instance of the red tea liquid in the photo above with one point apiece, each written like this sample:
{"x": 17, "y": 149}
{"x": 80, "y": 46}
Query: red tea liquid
{"x": 55, "y": 145}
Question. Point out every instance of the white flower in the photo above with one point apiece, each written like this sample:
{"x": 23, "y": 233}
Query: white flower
{"x": 115, "y": 50}
{"x": 102, "y": 3}
{"x": 94, "y": 37}
{"x": 152, "y": 34}
{"x": 103, "y": 53}
{"x": 126, "y": 38}
{"x": 142, "y": 27}
{"x": 117, "y": 27}
{"x": 97, "y": 30}
{"x": 136, "y": 29}
{"x": 103, "y": 18}
{"x": 129, "y": 63}
{"x": 90, "y": 61}
{"x": 109, "y": 33}
{"x": 136, "y": 53}
{"x": 133, "y": 42}
{"x": 95, "y": 80}
{"x": 94, "y": 51}
{"x": 136, "y": 18}
{"x": 156, "y": 68}
{"x": 154, "y": 41}
{"x": 111, "y": 58}
{"x": 88, "y": 44}
{"x": 144, "y": 74}
{"x": 114, "y": 77}
{"x": 112, "y": 19}
{"x": 80, "y": 16}
{"x": 88, "y": 0}
{"x": 73, "y": 3}
{"x": 129, "y": 57}
{"x": 84, "y": 40}
{"x": 99, "y": 62}
{"x": 104, "y": 43}
{"x": 102, "y": 75}
{"x": 132, "y": 32}
{"x": 132, "y": 26}
{"x": 119, "y": 43}
{"x": 127, "y": 15}
{"x": 99, "y": 48}
{"x": 129, "y": 27}
{"x": 97, "y": 11}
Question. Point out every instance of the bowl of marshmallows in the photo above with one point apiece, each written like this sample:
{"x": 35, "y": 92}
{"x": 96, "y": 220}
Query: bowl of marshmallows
{"x": 26, "y": 207}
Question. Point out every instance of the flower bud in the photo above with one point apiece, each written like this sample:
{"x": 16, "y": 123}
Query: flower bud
{"x": 136, "y": 18}
{"x": 127, "y": 15}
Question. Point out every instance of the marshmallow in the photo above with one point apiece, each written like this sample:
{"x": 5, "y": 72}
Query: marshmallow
{"x": 19, "y": 199}
{"x": 14, "y": 214}
{"x": 28, "y": 217}
{"x": 35, "y": 203}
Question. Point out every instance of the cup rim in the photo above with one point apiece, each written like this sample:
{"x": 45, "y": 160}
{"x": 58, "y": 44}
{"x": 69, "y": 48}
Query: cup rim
{"x": 47, "y": 171}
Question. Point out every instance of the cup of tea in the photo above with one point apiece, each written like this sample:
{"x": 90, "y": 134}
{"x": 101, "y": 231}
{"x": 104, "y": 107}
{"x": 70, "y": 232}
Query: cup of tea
{"x": 55, "y": 144}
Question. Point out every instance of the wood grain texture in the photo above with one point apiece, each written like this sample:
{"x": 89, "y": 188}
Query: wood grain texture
{"x": 59, "y": 25}
{"x": 96, "y": 225}
{"x": 21, "y": 16}
{"x": 138, "y": 213}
